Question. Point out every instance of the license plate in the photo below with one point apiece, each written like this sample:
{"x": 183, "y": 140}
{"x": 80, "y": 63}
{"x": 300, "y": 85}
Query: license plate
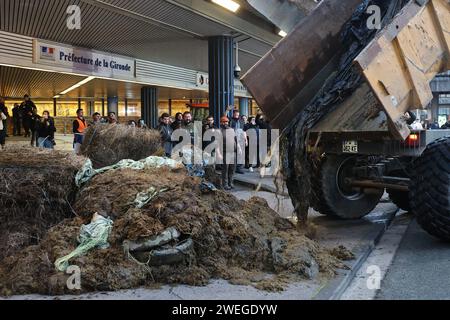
{"x": 350, "y": 147}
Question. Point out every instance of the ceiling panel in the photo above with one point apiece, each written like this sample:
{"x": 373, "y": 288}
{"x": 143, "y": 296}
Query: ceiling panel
{"x": 104, "y": 88}
{"x": 16, "y": 82}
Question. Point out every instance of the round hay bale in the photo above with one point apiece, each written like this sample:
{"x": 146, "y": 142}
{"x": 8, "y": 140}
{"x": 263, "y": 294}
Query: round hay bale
{"x": 107, "y": 144}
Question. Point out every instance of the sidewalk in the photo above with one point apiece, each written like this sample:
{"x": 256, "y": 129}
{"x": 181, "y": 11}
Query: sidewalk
{"x": 63, "y": 142}
{"x": 257, "y": 181}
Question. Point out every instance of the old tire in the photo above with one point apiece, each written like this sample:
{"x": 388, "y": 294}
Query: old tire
{"x": 339, "y": 199}
{"x": 399, "y": 198}
{"x": 430, "y": 189}
{"x": 317, "y": 200}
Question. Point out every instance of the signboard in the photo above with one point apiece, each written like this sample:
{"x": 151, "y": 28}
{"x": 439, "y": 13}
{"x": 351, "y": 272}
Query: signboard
{"x": 83, "y": 61}
{"x": 202, "y": 80}
{"x": 239, "y": 89}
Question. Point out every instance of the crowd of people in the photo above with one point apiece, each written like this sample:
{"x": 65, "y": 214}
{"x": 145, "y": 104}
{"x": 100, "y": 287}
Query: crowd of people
{"x": 39, "y": 128}
{"x": 80, "y": 124}
{"x": 241, "y": 125}
{"x": 41, "y": 131}
{"x": 418, "y": 124}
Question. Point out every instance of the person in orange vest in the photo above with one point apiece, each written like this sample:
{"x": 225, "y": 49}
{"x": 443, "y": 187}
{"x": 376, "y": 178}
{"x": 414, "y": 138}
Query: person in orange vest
{"x": 79, "y": 125}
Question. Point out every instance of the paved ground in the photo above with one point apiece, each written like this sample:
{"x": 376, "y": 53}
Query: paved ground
{"x": 420, "y": 269}
{"x": 63, "y": 142}
{"x": 259, "y": 180}
{"x": 367, "y": 280}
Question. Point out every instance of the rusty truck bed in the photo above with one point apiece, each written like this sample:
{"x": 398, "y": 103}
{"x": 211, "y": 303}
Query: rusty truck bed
{"x": 398, "y": 66}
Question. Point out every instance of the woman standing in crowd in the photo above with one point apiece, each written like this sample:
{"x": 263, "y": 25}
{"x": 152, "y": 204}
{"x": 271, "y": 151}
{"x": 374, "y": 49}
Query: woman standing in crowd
{"x": 2, "y": 130}
{"x": 4, "y": 110}
{"x": 46, "y": 131}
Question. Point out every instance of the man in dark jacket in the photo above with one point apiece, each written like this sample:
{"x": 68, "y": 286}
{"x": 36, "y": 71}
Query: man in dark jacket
{"x": 447, "y": 124}
{"x": 188, "y": 125}
{"x": 29, "y": 112}
{"x": 17, "y": 119}
{"x": 209, "y": 125}
{"x": 166, "y": 134}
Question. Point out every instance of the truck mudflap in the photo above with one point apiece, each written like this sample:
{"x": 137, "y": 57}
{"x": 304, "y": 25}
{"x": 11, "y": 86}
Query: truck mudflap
{"x": 405, "y": 56}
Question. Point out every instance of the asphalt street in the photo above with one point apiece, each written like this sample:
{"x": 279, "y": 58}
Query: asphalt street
{"x": 420, "y": 268}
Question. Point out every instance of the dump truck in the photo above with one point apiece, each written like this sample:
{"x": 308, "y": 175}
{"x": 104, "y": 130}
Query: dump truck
{"x": 364, "y": 141}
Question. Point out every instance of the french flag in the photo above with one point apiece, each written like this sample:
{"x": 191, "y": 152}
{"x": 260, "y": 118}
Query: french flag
{"x": 47, "y": 50}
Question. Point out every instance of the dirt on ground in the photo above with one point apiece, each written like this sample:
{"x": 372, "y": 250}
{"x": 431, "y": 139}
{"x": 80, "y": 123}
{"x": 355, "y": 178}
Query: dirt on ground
{"x": 233, "y": 239}
{"x": 36, "y": 190}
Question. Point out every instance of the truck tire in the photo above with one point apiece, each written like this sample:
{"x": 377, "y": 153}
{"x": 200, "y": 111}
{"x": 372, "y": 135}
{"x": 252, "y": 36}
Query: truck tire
{"x": 317, "y": 200}
{"x": 339, "y": 199}
{"x": 430, "y": 189}
{"x": 399, "y": 198}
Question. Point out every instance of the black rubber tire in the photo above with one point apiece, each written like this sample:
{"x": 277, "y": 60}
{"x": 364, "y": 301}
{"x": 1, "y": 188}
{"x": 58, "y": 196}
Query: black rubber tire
{"x": 317, "y": 200}
{"x": 400, "y": 199}
{"x": 430, "y": 189}
{"x": 335, "y": 202}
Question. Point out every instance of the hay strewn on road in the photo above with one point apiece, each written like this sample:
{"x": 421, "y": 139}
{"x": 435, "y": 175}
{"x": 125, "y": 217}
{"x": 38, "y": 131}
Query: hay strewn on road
{"x": 107, "y": 144}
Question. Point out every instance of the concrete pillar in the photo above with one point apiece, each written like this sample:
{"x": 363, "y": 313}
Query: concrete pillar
{"x": 221, "y": 75}
{"x": 113, "y": 105}
{"x": 149, "y": 106}
{"x": 244, "y": 106}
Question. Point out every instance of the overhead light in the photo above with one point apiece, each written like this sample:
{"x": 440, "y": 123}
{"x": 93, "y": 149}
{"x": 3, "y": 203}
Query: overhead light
{"x": 227, "y": 4}
{"x": 79, "y": 84}
{"x": 282, "y": 33}
{"x": 57, "y": 96}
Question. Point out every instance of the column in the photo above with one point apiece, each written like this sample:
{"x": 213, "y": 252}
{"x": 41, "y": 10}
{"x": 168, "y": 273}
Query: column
{"x": 54, "y": 107}
{"x": 113, "y": 105}
{"x": 149, "y": 106}
{"x": 244, "y": 106}
{"x": 221, "y": 75}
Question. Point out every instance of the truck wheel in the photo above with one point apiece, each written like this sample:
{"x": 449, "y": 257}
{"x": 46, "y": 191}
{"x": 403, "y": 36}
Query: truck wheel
{"x": 399, "y": 198}
{"x": 343, "y": 200}
{"x": 430, "y": 189}
{"x": 317, "y": 200}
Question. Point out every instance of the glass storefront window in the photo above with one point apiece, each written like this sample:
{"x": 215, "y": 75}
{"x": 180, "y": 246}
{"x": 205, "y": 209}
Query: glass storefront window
{"x": 98, "y": 107}
{"x": 66, "y": 108}
{"x": 254, "y": 109}
{"x": 163, "y": 107}
{"x": 179, "y": 106}
{"x": 121, "y": 108}
{"x": 134, "y": 108}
